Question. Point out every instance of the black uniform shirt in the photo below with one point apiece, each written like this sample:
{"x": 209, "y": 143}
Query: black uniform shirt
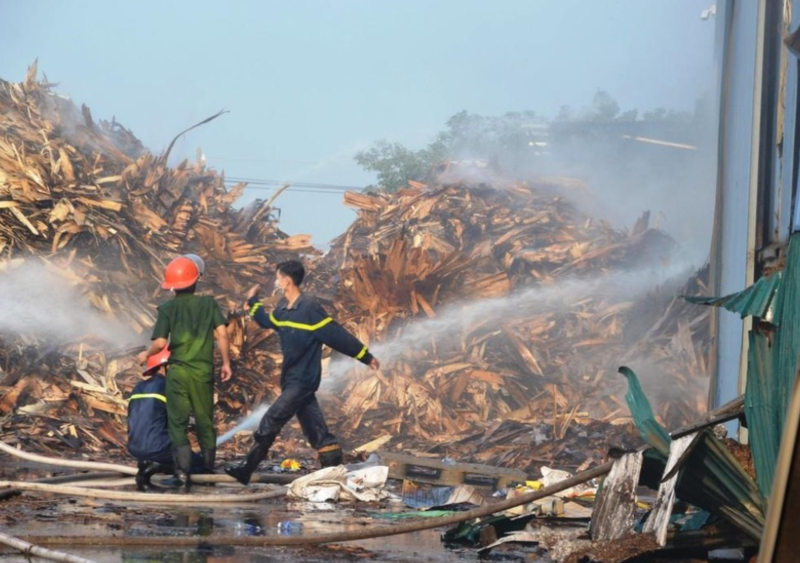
{"x": 304, "y": 328}
{"x": 148, "y": 439}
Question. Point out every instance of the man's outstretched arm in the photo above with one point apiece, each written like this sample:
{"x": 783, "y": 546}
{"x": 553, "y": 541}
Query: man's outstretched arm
{"x": 332, "y": 334}
{"x": 255, "y": 309}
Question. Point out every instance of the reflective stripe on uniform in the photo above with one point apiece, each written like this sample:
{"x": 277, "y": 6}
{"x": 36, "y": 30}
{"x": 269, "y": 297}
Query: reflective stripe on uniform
{"x": 362, "y": 353}
{"x": 300, "y": 326}
{"x": 255, "y": 308}
{"x": 148, "y": 396}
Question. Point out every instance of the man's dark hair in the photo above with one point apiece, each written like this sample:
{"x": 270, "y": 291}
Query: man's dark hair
{"x": 293, "y": 269}
{"x": 191, "y": 289}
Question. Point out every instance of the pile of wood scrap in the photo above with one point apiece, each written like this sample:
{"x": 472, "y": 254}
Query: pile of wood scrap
{"x": 86, "y": 200}
{"x": 497, "y": 308}
{"x": 501, "y": 301}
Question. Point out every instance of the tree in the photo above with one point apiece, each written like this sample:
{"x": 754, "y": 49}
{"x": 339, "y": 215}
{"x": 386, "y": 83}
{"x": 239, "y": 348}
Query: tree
{"x": 515, "y": 141}
{"x": 466, "y": 136}
{"x": 396, "y": 164}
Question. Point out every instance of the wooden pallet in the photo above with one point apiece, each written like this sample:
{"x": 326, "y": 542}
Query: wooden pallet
{"x": 438, "y": 473}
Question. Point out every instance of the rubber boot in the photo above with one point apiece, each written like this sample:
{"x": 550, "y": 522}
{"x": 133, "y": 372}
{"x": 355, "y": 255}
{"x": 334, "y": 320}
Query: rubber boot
{"x": 209, "y": 458}
{"x": 244, "y": 471}
{"x": 146, "y": 471}
{"x": 141, "y": 480}
{"x": 330, "y": 456}
{"x": 173, "y": 482}
{"x": 183, "y": 464}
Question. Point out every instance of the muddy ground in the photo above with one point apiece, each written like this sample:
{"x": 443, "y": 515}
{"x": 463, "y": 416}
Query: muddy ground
{"x": 35, "y": 516}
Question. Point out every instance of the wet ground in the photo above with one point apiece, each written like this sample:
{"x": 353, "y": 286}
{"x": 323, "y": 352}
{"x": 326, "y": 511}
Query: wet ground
{"x": 41, "y": 515}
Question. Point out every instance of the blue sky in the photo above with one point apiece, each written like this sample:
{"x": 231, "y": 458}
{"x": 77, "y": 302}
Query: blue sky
{"x": 308, "y": 83}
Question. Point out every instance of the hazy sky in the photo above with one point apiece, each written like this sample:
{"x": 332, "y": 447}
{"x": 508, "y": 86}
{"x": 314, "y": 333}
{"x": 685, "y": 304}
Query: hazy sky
{"x": 308, "y": 83}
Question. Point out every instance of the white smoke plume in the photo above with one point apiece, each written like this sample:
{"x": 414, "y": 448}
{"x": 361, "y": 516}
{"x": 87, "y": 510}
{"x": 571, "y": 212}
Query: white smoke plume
{"x": 36, "y": 302}
{"x": 454, "y": 321}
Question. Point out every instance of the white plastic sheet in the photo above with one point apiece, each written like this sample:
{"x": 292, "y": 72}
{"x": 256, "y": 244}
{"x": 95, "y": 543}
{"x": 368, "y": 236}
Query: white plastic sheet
{"x": 333, "y": 484}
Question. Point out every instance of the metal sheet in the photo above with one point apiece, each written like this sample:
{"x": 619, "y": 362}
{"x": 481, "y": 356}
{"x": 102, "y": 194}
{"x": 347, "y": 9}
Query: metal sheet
{"x": 758, "y": 300}
{"x": 737, "y": 23}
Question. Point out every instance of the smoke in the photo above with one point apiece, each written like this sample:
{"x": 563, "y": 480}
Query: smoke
{"x": 456, "y": 321}
{"x": 250, "y": 422}
{"x": 36, "y": 302}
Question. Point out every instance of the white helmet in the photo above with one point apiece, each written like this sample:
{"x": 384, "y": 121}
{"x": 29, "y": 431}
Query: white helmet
{"x": 201, "y": 265}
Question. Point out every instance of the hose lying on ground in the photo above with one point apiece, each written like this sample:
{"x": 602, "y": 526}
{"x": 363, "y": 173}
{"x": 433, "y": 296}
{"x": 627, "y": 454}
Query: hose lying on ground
{"x": 29, "y": 549}
{"x": 204, "y": 499}
{"x": 335, "y": 537}
{"x": 75, "y": 464}
{"x": 128, "y": 470}
{"x": 72, "y": 478}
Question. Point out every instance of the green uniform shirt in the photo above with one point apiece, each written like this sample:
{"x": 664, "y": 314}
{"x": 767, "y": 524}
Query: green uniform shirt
{"x": 189, "y": 322}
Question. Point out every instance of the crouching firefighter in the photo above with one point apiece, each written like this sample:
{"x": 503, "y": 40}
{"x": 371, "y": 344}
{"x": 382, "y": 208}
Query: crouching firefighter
{"x": 148, "y": 439}
{"x": 303, "y": 327}
{"x": 190, "y": 324}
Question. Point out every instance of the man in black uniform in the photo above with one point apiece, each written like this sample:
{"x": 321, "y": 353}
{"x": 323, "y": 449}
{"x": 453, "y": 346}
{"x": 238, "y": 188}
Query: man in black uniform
{"x": 148, "y": 436}
{"x": 148, "y": 440}
{"x": 303, "y": 327}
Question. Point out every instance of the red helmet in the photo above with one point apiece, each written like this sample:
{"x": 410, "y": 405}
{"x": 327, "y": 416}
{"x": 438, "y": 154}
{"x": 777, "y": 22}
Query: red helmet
{"x": 180, "y": 274}
{"x": 156, "y": 361}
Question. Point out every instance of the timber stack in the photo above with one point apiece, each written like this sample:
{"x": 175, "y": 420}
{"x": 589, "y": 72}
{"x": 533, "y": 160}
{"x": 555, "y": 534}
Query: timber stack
{"x": 502, "y": 312}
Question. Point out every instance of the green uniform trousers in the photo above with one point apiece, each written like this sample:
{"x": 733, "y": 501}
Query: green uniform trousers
{"x": 190, "y": 393}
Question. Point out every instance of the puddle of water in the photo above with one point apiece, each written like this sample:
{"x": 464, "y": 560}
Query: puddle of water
{"x": 43, "y": 516}
{"x": 106, "y": 518}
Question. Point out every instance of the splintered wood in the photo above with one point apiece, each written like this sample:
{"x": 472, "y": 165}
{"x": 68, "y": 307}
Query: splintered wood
{"x": 499, "y": 311}
{"x": 496, "y": 300}
{"x": 88, "y": 202}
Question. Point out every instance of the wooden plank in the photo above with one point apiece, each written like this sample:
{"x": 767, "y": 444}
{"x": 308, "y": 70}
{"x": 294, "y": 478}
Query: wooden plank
{"x": 613, "y": 515}
{"x": 372, "y": 446}
{"x": 658, "y": 520}
{"x": 435, "y": 471}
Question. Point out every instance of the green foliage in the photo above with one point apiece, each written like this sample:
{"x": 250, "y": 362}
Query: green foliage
{"x": 396, "y": 164}
{"x": 509, "y": 140}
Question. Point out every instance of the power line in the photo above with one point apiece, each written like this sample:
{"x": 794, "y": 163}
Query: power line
{"x": 296, "y": 190}
{"x": 262, "y": 182}
{"x": 248, "y": 159}
{"x": 292, "y": 187}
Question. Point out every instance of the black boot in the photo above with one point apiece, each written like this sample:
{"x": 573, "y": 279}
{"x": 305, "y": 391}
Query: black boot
{"x": 146, "y": 471}
{"x": 183, "y": 464}
{"x": 209, "y": 458}
{"x": 244, "y": 471}
{"x": 330, "y": 456}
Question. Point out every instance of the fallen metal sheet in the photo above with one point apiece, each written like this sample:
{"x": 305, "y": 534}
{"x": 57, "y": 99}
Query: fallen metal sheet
{"x": 651, "y": 431}
{"x": 710, "y": 476}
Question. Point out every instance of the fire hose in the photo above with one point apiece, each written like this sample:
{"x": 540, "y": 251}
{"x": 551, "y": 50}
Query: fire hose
{"x": 334, "y": 537}
{"x": 128, "y": 470}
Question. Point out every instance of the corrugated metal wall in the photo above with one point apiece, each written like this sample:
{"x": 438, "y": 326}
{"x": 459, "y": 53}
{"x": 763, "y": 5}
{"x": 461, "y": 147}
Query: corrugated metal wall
{"x": 757, "y": 169}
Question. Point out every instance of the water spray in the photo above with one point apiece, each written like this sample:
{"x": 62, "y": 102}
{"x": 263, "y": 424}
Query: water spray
{"x": 250, "y": 422}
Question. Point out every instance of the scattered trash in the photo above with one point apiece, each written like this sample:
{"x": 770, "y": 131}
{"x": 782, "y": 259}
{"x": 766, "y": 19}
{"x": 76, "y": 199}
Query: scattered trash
{"x": 422, "y": 495}
{"x": 290, "y": 528}
{"x": 290, "y": 465}
{"x": 553, "y": 476}
{"x": 332, "y": 484}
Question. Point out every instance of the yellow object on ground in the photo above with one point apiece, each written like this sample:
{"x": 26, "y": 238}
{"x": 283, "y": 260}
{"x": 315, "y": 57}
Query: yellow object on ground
{"x": 290, "y": 464}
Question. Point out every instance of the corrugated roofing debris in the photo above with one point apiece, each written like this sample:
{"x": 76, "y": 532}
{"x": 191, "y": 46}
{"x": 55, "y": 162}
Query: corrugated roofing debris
{"x": 709, "y": 476}
{"x": 762, "y": 300}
